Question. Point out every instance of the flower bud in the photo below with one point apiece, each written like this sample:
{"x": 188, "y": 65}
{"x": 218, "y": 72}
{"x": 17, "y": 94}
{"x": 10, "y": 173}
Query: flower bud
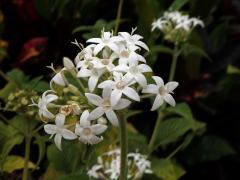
{"x": 68, "y": 64}
{"x": 102, "y": 120}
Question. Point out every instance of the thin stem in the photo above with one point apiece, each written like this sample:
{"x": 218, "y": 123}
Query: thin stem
{"x": 124, "y": 148}
{"x": 119, "y": 11}
{"x": 174, "y": 63}
{"x": 160, "y": 115}
{"x": 26, "y": 158}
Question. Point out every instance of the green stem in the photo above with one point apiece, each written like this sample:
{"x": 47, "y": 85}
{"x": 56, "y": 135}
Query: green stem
{"x": 174, "y": 63}
{"x": 119, "y": 11}
{"x": 26, "y": 158}
{"x": 124, "y": 148}
{"x": 160, "y": 115}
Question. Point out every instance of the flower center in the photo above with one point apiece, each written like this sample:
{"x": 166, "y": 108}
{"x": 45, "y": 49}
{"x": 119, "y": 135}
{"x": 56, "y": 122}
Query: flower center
{"x": 105, "y": 61}
{"x": 120, "y": 85}
{"x": 162, "y": 90}
{"x": 87, "y": 131}
{"x": 125, "y": 54}
{"x": 106, "y": 104}
{"x": 66, "y": 110}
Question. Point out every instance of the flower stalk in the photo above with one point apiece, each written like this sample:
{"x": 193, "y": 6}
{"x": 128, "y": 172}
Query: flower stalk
{"x": 26, "y": 157}
{"x": 119, "y": 11}
{"x": 124, "y": 148}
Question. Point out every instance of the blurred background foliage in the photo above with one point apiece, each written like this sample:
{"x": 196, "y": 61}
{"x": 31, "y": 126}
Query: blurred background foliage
{"x": 200, "y": 138}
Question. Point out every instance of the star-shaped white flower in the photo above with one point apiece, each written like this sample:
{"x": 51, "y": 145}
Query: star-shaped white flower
{"x": 107, "y": 63}
{"x": 44, "y": 102}
{"x": 59, "y": 131}
{"x": 93, "y": 74}
{"x": 120, "y": 86}
{"x": 133, "y": 40}
{"x": 163, "y": 92}
{"x": 104, "y": 106}
{"x": 87, "y": 132}
{"x": 107, "y": 40}
{"x": 134, "y": 71}
{"x": 84, "y": 58}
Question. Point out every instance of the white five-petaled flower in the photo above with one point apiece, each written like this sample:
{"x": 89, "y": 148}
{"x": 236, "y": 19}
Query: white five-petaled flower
{"x": 120, "y": 86}
{"x": 163, "y": 92}
{"x": 134, "y": 71}
{"x": 107, "y": 40}
{"x": 100, "y": 63}
{"x": 59, "y": 131}
{"x": 87, "y": 132}
{"x": 44, "y": 102}
{"x": 93, "y": 74}
{"x": 104, "y": 106}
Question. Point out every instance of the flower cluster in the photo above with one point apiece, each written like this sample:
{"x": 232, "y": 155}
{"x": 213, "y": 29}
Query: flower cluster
{"x": 106, "y": 77}
{"x": 108, "y": 166}
{"x": 176, "y": 26}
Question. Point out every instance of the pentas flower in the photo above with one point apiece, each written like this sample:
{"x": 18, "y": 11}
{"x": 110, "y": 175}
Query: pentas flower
{"x": 104, "y": 106}
{"x": 44, "y": 103}
{"x": 107, "y": 40}
{"x": 120, "y": 86}
{"x": 134, "y": 71}
{"x": 59, "y": 131}
{"x": 87, "y": 132}
{"x": 163, "y": 92}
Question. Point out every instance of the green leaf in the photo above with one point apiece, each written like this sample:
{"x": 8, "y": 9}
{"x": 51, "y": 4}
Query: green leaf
{"x": 160, "y": 48}
{"x": 209, "y": 148}
{"x": 167, "y": 169}
{"x": 8, "y": 88}
{"x": 18, "y": 76}
{"x": 233, "y": 69}
{"x": 189, "y": 49}
{"x": 181, "y": 109}
{"x": 178, "y": 4}
{"x": 13, "y": 163}
{"x": 170, "y": 130}
{"x": 74, "y": 176}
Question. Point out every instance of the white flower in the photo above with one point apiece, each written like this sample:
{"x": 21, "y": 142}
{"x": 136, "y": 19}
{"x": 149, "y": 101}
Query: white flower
{"x": 93, "y": 172}
{"x": 100, "y": 63}
{"x": 84, "y": 58}
{"x": 114, "y": 169}
{"x": 87, "y": 132}
{"x": 163, "y": 92}
{"x": 120, "y": 86}
{"x": 59, "y": 131}
{"x": 134, "y": 71}
{"x": 44, "y": 102}
{"x": 107, "y": 40}
{"x": 133, "y": 40}
{"x": 93, "y": 74}
{"x": 105, "y": 106}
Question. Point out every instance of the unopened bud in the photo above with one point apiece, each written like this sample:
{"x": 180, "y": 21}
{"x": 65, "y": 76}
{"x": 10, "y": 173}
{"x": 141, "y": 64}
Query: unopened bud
{"x": 102, "y": 120}
{"x": 68, "y": 64}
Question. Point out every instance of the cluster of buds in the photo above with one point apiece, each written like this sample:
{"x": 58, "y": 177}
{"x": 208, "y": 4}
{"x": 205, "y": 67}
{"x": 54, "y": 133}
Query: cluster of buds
{"x": 176, "y": 26}
{"x": 105, "y": 78}
{"x": 108, "y": 166}
{"x": 18, "y": 100}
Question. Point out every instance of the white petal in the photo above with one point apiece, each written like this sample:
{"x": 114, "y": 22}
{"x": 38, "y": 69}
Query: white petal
{"x": 78, "y": 129}
{"x": 96, "y": 113}
{"x": 60, "y": 120}
{"x": 140, "y": 78}
{"x": 94, "y": 40}
{"x": 142, "y": 44}
{"x": 151, "y": 88}
{"x": 112, "y": 117}
{"x": 84, "y": 73}
{"x": 121, "y": 68}
{"x": 51, "y": 97}
{"x": 98, "y": 48}
{"x": 107, "y": 83}
{"x": 115, "y": 96}
{"x": 57, "y": 140}
{"x": 157, "y": 102}
{"x": 169, "y": 99}
{"x": 144, "y": 68}
{"x": 106, "y": 93}
{"x": 95, "y": 140}
{"x": 47, "y": 114}
{"x": 68, "y": 64}
{"x": 84, "y": 119}
{"x": 131, "y": 93}
{"x": 123, "y": 103}
{"x": 67, "y": 134}
{"x": 113, "y": 47}
{"x": 92, "y": 82}
{"x": 158, "y": 80}
{"x": 98, "y": 128}
{"x": 58, "y": 79}
{"x": 94, "y": 99}
{"x": 170, "y": 86}
{"x": 50, "y": 128}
